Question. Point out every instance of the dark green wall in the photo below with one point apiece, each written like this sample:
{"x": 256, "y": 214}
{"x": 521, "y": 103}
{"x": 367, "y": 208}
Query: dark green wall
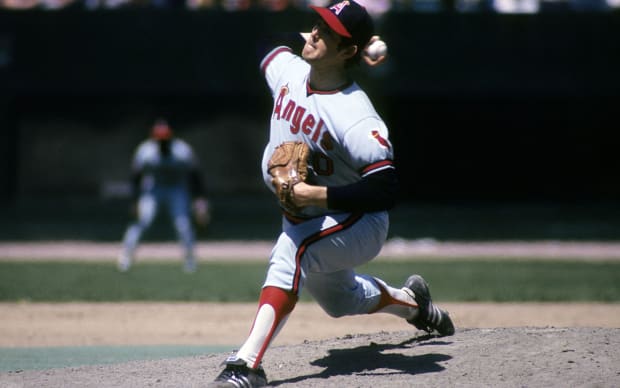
{"x": 479, "y": 105}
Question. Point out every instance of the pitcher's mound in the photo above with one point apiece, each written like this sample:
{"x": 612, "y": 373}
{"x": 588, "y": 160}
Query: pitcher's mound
{"x": 502, "y": 357}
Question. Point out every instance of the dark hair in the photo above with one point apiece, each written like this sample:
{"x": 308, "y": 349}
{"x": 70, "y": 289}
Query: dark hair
{"x": 355, "y": 59}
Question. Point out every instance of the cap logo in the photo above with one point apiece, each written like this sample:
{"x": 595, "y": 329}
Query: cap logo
{"x": 337, "y": 8}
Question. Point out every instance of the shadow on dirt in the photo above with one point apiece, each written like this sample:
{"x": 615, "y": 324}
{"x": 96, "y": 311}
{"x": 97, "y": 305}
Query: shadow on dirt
{"x": 371, "y": 360}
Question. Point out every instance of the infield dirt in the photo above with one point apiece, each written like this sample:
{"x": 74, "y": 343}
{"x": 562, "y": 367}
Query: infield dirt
{"x": 495, "y": 357}
{"x": 541, "y": 345}
{"x": 82, "y": 324}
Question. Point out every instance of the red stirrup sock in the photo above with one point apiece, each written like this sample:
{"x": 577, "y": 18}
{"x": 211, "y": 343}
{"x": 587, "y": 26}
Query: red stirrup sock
{"x": 395, "y": 301}
{"x": 274, "y": 307}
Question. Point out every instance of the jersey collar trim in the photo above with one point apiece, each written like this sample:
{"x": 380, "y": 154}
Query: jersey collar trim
{"x": 310, "y": 91}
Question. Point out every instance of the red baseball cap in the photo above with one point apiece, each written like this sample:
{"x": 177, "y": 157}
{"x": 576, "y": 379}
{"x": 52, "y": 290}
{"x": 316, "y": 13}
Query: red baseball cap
{"x": 348, "y": 19}
{"x": 161, "y": 130}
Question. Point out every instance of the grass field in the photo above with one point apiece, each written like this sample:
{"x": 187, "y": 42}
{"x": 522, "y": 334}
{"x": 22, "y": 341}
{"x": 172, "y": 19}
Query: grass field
{"x": 455, "y": 281}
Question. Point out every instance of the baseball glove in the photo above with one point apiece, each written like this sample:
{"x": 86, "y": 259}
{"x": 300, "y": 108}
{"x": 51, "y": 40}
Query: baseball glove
{"x": 288, "y": 166}
{"x": 201, "y": 211}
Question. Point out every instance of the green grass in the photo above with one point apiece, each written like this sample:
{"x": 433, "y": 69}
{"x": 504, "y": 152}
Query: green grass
{"x": 475, "y": 280}
{"x": 507, "y": 281}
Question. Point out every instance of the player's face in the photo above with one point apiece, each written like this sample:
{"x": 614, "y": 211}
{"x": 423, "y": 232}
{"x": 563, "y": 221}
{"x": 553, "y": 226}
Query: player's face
{"x": 322, "y": 46}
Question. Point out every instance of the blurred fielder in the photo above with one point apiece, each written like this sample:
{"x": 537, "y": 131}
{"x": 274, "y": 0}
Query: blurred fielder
{"x": 165, "y": 171}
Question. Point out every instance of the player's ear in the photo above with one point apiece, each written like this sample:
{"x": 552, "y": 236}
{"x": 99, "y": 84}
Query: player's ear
{"x": 349, "y": 51}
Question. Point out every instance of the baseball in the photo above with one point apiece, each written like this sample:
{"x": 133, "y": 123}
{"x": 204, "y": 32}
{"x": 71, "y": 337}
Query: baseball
{"x": 376, "y": 49}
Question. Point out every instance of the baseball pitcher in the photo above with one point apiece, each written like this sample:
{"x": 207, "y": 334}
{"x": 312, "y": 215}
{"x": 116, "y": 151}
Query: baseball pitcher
{"x": 330, "y": 163}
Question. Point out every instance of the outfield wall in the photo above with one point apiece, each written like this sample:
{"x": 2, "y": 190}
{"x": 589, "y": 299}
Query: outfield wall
{"x": 481, "y": 106}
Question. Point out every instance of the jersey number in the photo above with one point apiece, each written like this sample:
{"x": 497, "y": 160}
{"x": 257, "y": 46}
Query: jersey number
{"x": 322, "y": 164}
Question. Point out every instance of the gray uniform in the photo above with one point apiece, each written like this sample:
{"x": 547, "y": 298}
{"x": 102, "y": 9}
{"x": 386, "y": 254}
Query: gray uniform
{"x": 165, "y": 180}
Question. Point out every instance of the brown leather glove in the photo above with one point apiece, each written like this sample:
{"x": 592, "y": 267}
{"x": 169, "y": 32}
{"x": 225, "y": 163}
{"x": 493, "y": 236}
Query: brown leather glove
{"x": 201, "y": 211}
{"x": 288, "y": 166}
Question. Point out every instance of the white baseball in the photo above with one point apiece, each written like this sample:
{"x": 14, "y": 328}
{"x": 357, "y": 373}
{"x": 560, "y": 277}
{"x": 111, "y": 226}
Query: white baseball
{"x": 376, "y": 49}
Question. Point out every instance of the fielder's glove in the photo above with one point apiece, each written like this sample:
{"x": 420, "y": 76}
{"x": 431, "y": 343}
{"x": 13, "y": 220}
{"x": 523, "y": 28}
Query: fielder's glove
{"x": 201, "y": 210}
{"x": 288, "y": 166}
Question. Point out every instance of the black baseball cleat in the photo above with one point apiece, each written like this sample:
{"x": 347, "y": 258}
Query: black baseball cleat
{"x": 238, "y": 375}
{"x": 430, "y": 317}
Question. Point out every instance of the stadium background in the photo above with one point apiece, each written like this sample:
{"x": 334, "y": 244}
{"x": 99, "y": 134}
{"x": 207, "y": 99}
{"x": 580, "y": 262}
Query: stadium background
{"x": 505, "y": 126}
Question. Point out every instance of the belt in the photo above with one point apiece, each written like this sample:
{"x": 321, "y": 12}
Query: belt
{"x": 294, "y": 219}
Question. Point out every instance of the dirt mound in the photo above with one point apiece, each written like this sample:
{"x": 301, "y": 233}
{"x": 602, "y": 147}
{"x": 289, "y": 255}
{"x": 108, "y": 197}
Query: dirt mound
{"x": 504, "y": 357}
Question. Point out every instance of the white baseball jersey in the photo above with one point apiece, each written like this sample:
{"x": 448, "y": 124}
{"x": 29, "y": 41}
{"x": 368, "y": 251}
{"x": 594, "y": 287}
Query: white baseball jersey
{"x": 349, "y": 141}
{"x": 347, "y": 137}
{"x": 164, "y": 171}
